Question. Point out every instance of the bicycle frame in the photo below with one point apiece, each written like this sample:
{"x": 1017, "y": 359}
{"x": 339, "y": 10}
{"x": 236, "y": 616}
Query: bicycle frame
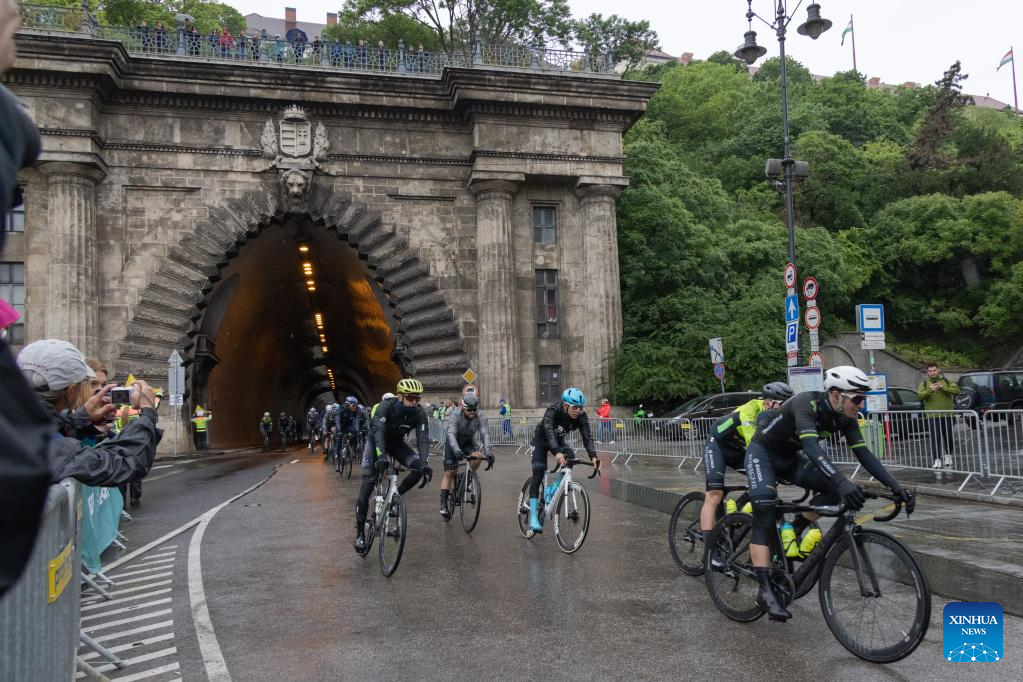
{"x": 563, "y": 487}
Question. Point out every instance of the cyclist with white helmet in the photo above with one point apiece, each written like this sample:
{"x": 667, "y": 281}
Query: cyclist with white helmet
{"x": 726, "y": 446}
{"x": 558, "y": 421}
{"x": 393, "y": 420}
{"x": 787, "y": 446}
{"x": 468, "y": 433}
{"x": 266, "y": 424}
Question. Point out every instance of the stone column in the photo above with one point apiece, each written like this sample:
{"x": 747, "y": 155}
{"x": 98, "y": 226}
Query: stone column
{"x": 602, "y": 294}
{"x": 498, "y": 354}
{"x": 72, "y": 305}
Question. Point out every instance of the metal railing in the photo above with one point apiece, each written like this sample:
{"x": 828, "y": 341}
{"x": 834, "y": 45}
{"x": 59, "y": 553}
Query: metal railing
{"x": 1003, "y": 446}
{"x": 264, "y": 50}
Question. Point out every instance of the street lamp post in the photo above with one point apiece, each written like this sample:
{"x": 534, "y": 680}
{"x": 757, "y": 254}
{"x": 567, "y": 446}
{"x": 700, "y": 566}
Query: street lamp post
{"x": 750, "y": 52}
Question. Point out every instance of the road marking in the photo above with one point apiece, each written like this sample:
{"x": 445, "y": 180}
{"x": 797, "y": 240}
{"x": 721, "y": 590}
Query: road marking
{"x": 133, "y": 619}
{"x": 134, "y": 631}
{"x": 140, "y": 659}
{"x": 131, "y": 645}
{"x": 160, "y": 466}
{"x": 212, "y": 656}
{"x": 150, "y": 479}
{"x": 119, "y": 582}
{"x": 100, "y": 604}
{"x": 117, "y": 577}
{"x": 139, "y": 588}
{"x": 294, "y": 461}
{"x": 126, "y": 609}
{"x": 151, "y": 673}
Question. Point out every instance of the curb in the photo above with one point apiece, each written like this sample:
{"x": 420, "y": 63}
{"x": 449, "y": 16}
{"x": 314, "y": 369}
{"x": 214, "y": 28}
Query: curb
{"x": 945, "y": 576}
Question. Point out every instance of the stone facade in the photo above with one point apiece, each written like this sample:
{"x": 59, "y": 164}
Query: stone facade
{"x": 154, "y": 176}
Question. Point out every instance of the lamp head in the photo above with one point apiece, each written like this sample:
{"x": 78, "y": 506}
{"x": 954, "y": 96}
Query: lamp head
{"x": 814, "y": 25}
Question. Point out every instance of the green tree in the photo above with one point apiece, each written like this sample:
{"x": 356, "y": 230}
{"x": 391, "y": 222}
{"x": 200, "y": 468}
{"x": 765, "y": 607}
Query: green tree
{"x": 389, "y": 28}
{"x": 618, "y": 39}
{"x": 208, "y": 15}
{"x": 930, "y": 146}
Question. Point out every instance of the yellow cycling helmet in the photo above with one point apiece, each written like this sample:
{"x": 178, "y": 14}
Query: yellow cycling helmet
{"x": 410, "y": 387}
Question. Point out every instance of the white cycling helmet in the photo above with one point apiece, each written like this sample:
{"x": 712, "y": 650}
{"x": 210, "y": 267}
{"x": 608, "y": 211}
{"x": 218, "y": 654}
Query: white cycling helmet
{"x": 845, "y": 378}
{"x": 387, "y": 395}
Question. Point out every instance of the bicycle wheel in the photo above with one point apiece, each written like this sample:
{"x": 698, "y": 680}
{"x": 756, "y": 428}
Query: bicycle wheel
{"x": 472, "y": 497}
{"x": 523, "y": 511}
{"x": 572, "y": 518}
{"x": 685, "y": 538}
{"x": 392, "y": 536}
{"x": 349, "y": 462}
{"x": 889, "y": 626}
{"x": 733, "y": 588}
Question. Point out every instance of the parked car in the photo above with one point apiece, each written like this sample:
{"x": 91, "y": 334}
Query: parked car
{"x": 995, "y": 389}
{"x": 713, "y": 405}
{"x": 904, "y": 407}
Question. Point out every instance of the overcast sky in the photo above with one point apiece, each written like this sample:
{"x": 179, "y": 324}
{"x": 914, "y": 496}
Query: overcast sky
{"x": 898, "y": 40}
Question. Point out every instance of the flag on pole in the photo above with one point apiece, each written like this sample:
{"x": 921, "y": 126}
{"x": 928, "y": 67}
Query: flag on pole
{"x": 1005, "y": 60}
{"x": 848, "y": 29}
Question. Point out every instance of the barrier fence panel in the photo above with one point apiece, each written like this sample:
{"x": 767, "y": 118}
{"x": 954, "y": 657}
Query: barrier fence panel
{"x": 39, "y": 616}
{"x": 665, "y": 438}
{"x": 1003, "y": 445}
{"x": 917, "y": 439}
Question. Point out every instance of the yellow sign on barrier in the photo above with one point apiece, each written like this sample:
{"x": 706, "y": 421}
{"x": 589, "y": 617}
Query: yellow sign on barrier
{"x": 59, "y": 574}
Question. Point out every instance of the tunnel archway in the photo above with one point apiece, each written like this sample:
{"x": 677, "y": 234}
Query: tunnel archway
{"x": 234, "y": 294}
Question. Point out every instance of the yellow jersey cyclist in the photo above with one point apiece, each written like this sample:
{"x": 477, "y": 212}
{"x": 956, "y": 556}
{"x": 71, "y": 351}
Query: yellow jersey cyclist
{"x": 787, "y": 446}
{"x": 726, "y": 446}
{"x": 393, "y": 419}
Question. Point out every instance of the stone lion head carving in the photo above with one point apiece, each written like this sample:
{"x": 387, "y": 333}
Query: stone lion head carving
{"x": 295, "y": 186}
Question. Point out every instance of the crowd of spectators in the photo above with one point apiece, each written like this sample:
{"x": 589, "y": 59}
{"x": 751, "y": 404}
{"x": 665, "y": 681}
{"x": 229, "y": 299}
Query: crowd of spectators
{"x": 56, "y": 410}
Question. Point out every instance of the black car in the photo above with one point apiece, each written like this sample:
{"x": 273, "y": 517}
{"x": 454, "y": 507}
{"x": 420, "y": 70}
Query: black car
{"x": 996, "y": 389}
{"x": 711, "y": 406}
{"x": 904, "y": 406}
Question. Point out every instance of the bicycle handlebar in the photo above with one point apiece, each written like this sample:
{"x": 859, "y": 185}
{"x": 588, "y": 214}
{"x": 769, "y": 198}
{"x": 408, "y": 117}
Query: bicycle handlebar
{"x": 573, "y": 462}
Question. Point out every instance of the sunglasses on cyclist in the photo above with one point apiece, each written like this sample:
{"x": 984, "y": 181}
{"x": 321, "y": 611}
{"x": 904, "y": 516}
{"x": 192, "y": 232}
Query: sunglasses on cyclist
{"x": 470, "y": 410}
{"x": 412, "y": 398}
{"x": 855, "y": 398}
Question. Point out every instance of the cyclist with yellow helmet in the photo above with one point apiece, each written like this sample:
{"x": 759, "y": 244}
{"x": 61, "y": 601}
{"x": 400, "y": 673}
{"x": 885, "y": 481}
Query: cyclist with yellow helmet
{"x": 392, "y": 421}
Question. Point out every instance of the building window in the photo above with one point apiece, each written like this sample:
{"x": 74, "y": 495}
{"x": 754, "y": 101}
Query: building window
{"x": 547, "y": 304}
{"x": 544, "y": 225}
{"x": 15, "y": 221}
{"x": 550, "y": 383}
{"x": 12, "y": 290}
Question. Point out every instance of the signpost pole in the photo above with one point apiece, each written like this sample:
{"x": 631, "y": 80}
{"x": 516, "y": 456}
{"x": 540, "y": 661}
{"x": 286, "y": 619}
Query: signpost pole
{"x": 175, "y": 377}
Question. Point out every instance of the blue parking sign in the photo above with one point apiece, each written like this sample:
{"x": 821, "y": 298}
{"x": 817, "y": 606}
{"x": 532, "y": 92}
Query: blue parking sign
{"x": 791, "y": 330}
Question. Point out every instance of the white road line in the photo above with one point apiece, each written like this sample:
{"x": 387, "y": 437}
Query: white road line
{"x": 131, "y": 646}
{"x": 143, "y": 570}
{"x": 212, "y": 656}
{"x": 140, "y": 659}
{"x": 133, "y": 619}
{"x": 150, "y": 479}
{"x": 158, "y": 565}
{"x": 138, "y": 588}
{"x": 132, "y": 581}
{"x": 134, "y": 631}
{"x": 126, "y": 609}
{"x": 100, "y": 604}
{"x": 150, "y": 673}
{"x": 160, "y": 466}
{"x": 294, "y": 461}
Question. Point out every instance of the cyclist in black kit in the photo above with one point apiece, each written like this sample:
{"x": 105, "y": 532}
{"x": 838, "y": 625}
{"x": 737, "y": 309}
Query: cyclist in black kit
{"x": 558, "y": 421}
{"x": 799, "y": 425}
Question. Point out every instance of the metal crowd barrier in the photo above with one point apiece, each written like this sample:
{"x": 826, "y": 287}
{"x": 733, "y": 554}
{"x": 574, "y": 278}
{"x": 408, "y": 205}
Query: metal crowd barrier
{"x": 39, "y": 616}
{"x": 1003, "y": 446}
{"x": 666, "y": 438}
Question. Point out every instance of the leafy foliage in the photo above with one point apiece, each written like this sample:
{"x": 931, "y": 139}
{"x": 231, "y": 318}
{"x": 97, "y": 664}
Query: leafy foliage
{"x": 208, "y": 15}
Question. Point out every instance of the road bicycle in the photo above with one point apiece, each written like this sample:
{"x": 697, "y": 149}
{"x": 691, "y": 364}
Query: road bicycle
{"x": 873, "y": 593}
{"x": 328, "y": 443}
{"x": 266, "y": 441}
{"x": 387, "y": 519}
{"x": 345, "y": 454}
{"x": 685, "y": 536}
{"x": 284, "y": 439}
{"x": 313, "y": 437}
{"x": 568, "y": 507}
{"x": 467, "y": 494}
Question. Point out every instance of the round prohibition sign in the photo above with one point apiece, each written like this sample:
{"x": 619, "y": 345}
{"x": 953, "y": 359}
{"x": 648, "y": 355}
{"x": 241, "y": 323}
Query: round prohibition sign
{"x": 812, "y": 317}
{"x": 810, "y": 288}
{"x": 790, "y": 275}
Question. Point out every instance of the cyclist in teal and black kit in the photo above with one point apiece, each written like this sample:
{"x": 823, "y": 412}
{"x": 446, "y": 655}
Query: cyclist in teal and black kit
{"x": 775, "y": 453}
{"x": 558, "y": 421}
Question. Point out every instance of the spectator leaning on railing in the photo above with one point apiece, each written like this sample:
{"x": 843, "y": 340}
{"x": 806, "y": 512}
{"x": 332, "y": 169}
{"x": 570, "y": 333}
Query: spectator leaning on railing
{"x": 936, "y": 391}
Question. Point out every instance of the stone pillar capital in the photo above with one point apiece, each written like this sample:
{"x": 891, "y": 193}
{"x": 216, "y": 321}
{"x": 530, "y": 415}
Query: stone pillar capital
{"x": 600, "y": 187}
{"x": 495, "y": 181}
{"x": 84, "y": 170}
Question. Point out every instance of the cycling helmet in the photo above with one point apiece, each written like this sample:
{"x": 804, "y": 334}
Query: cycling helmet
{"x": 409, "y": 386}
{"x": 387, "y": 395}
{"x": 266, "y": 414}
{"x": 777, "y": 390}
{"x": 471, "y": 402}
{"x": 283, "y": 414}
{"x": 845, "y": 378}
{"x": 573, "y": 396}
{"x": 351, "y": 400}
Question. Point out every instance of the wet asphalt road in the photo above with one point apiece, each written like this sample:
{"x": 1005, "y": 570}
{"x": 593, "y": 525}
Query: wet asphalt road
{"x": 290, "y": 600}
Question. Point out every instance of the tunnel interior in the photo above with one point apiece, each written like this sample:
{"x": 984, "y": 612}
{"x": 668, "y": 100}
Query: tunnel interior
{"x": 293, "y": 321}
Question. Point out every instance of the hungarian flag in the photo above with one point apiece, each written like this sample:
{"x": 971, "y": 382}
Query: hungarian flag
{"x": 1005, "y": 60}
{"x": 848, "y": 29}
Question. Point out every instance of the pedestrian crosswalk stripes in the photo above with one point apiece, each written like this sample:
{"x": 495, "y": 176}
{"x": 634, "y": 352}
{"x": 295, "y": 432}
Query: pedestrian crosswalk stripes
{"x": 137, "y": 623}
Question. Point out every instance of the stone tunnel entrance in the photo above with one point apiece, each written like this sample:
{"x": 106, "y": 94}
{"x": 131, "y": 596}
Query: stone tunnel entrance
{"x": 293, "y": 321}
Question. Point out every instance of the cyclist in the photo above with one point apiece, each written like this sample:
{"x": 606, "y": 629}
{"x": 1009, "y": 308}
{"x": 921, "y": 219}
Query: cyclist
{"x": 558, "y": 421}
{"x": 326, "y": 426}
{"x": 312, "y": 425}
{"x": 392, "y": 421}
{"x": 373, "y": 412}
{"x": 282, "y": 426}
{"x": 774, "y": 453}
{"x": 726, "y": 446}
{"x": 266, "y": 425}
{"x": 467, "y": 433}
{"x": 349, "y": 420}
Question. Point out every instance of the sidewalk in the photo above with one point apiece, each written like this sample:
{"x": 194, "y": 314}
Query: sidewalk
{"x": 971, "y": 551}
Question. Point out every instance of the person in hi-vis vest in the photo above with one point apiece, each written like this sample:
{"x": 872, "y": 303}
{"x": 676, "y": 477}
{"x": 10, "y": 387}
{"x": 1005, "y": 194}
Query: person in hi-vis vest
{"x": 200, "y": 424}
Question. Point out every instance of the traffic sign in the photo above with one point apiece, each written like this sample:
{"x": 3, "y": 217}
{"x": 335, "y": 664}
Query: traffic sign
{"x": 816, "y": 359}
{"x": 470, "y": 389}
{"x": 719, "y": 370}
{"x": 809, "y": 288}
{"x": 717, "y": 351}
{"x": 791, "y": 358}
{"x": 792, "y": 308}
{"x": 791, "y": 336}
{"x": 469, "y": 376}
{"x": 812, "y": 318}
{"x": 790, "y": 275}
{"x": 870, "y": 317}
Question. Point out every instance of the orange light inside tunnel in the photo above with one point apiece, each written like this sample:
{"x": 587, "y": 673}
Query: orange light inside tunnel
{"x": 304, "y": 248}
{"x": 310, "y": 282}
{"x": 324, "y": 349}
